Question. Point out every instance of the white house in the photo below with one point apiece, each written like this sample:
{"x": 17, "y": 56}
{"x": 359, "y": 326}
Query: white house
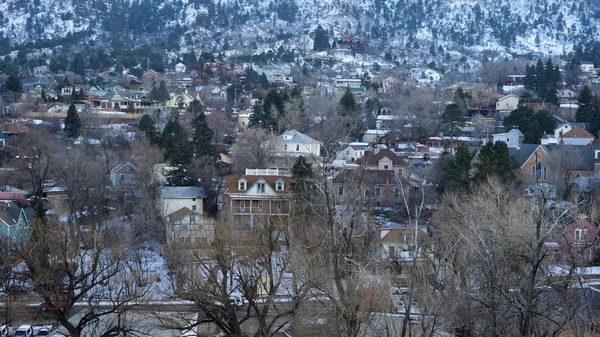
{"x": 180, "y": 68}
{"x": 512, "y": 138}
{"x": 507, "y": 103}
{"x": 373, "y": 136}
{"x": 586, "y": 66}
{"x": 174, "y": 198}
{"x": 353, "y": 152}
{"x": 294, "y": 143}
{"x": 562, "y": 129}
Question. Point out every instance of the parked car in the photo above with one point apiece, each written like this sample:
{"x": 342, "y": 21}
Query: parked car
{"x": 46, "y": 330}
{"x": 3, "y": 331}
{"x": 24, "y": 331}
{"x": 236, "y": 301}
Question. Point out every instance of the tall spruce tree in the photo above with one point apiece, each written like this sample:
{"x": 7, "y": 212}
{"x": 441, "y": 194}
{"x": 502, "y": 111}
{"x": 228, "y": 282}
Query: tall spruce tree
{"x": 494, "y": 160}
{"x": 347, "y": 105}
{"x": 148, "y": 127}
{"x": 201, "y": 143}
{"x": 72, "y": 123}
{"x": 456, "y": 169}
{"x": 303, "y": 175}
{"x": 321, "y": 40}
{"x": 178, "y": 152}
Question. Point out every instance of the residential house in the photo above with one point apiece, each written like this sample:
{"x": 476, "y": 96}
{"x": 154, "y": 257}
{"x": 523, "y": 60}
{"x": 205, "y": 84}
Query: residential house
{"x": 174, "y": 198}
{"x": 273, "y": 74}
{"x": 293, "y": 144}
{"x": 15, "y": 223}
{"x": 15, "y": 129}
{"x": 180, "y": 68}
{"x": 512, "y": 138}
{"x": 188, "y": 228}
{"x": 131, "y": 101}
{"x": 586, "y": 66}
{"x": 256, "y": 194}
{"x": 41, "y": 70}
{"x": 386, "y": 122}
{"x": 566, "y": 96}
{"x": 125, "y": 181}
{"x": 373, "y": 136}
{"x": 152, "y": 78}
{"x": 244, "y": 119}
{"x": 384, "y": 159}
{"x": 579, "y": 238}
{"x": 179, "y": 100}
{"x": 182, "y": 207}
{"x": 576, "y": 136}
{"x": 372, "y": 187}
{"x": 354, "y": 85}
{"x": 402, "y": 242}
{"x": 353, "y": 152}
{"x": 507, "y": 103}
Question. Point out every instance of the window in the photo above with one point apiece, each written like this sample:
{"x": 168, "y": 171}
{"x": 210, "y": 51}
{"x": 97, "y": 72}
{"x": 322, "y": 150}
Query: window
{"x": 392, "y": 251}
{"x": 577, "y": 175}
{"x": 193, "y": 199}
{"x": 340, "y": 191}
{"x": 367, "y": 192}
{"x": 386, "y": 167}
{"x": 580, "y": 234}
{"x": 545, "y": 173}
{"x": 260, "y": 188}
{"x": 347, "y": 153}
{"x": 279, "y": 205}
{"x": 539, "y": 171}
{"x": 192, "y": 218}
{"x": 193, "y": 207}
{"x": 260, "y": 205}
{"x": 508, "y": 140}
{"x": 284, "y": 147}
{"x": 297, "y": 147}
{"x": 377, "y": 191}
{"x": 242, "y": 204}
{"x": 400, "y": 171}
{"x": 533, "y": 173}
{"x": 242, "y": 185}
{"x": 395, "y": 191}
{"x": 20, "y": 223}
{"x": 279, "y": 185}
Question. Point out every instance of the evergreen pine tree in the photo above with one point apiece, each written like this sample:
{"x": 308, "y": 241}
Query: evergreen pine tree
{"x": 456, "y": 169}
{"x": 264, "y": 82}
{"x": 347, "y": 105}
{"x": 321, "y": 40}
{"x": 72, "y": 123}
{"x": 584, "y": 109}
{"x": 13, "y": 83}
{"x": 303, "y": 175}
{"x": 494, "y": 160}
{"x": 257, "y": 118}
{"x": 201, "y": 143}
{"x": 178, "y": 152}
{"x": 162, "y": 92}
{"x": 148, "y": 127}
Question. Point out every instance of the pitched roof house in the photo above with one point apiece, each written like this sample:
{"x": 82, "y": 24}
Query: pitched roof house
{"x": 255, "y": 194}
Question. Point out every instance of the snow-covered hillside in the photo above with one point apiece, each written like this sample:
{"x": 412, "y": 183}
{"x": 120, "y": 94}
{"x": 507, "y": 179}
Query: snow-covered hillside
{"x": 548, "y": 27}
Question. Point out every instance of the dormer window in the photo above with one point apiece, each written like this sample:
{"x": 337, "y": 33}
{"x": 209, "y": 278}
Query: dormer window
{"x": 242, "y": 185}
{"x": 279, "y": 185}
{"x": 298, "y": 147}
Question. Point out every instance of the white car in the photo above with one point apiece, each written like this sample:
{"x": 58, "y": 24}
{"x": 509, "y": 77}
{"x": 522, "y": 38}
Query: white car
{"x": 46, "y": 330}
{"x": 236, "y": 301}
{"x": 24, "y": 331}
{"x": 3, "y": 331}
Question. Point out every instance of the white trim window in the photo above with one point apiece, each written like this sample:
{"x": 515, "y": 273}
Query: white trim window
{"x": 260, "y": 188}
{"x": 242, "y": 185}
{"x": 279, "y": 185}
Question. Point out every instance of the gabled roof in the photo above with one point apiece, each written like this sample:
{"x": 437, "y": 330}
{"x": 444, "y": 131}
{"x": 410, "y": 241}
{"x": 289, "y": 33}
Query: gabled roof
{"x": 373, "y": 159}
{"x": 515, "y": 131}
{"x": 231, "y": 183}
{"x": 293, "y": 136}
{"x": 182, "y": 192}
{"x": 367, "y": 177}
{"x": 17, "y": 127}
{"x": 507, "y": 97}
{"x": 585, "y": 151}
{"x": 181, "y": 213}
{"x": 578, "y": 132}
